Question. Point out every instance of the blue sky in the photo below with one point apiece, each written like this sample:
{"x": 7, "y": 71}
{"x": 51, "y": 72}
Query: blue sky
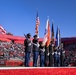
{"x": 19, "y": 16}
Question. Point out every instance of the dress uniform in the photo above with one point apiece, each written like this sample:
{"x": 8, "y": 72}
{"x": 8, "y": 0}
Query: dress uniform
{"x": 51, "y": 55}
{"x": 62, "y": 56}
{"x": 42, "y": 54}
{"x": 28, "y": 48}
{"x": 46, "y": 56}
{"x": 35, "y": 50}
{"x": 57, "y": 58}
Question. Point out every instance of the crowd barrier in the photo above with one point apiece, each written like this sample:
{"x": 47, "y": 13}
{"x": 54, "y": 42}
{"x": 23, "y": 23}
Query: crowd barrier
{"x": 14, "y": 63}
{"x": 2, "y": 62}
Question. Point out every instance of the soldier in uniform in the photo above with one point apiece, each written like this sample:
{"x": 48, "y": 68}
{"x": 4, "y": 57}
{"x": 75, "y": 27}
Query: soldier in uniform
{"x": 51, "y": 55}
{"x": 42, "y": 54}
{"x": 57, "y": 57}
{"x": 28, "y": 48}
{"x": 46, "y": 56}
{"x": 62, "y": 56}
{"x": 35, "y": 50}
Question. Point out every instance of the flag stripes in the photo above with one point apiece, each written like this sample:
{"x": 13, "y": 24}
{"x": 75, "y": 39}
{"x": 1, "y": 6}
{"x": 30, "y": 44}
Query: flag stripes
{"x": 2, "y": 30}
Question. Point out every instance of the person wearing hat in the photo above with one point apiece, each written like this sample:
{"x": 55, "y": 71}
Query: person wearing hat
{"x": 62, "y": 55}
{"x": 35, "y": 50}
{"x": 51, "y": 55}
{"x": 42, "y": 54}
{"x": 28, "y": 48}
{"x": 57, "y": 57}
{"x": 46, "y": 56}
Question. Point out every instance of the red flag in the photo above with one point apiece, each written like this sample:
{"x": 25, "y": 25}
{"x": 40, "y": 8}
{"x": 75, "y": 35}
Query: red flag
{"x": 37, "y": 24}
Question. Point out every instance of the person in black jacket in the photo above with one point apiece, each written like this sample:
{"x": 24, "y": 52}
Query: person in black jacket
{"x": 46, "y": 56}
{"x": 35, "y": 50}
{"x": 57, "y": 57}
{"x": 51, "y": 55}
{"x": 42, "y": 54}
{"x": 28, "y": 48}
{"x": 62, "y": 56}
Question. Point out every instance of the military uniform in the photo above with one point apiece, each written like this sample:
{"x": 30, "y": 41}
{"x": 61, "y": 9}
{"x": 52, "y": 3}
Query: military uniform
{"x": 42, "y": 55}
{"x": 62, "y": 57}
{"x": 46, "y": 56}
{"x": 57, "y": 58}
{"x": 51, "y": 55}
{"x": 28, "y": 48}
{"x": 35, "y": 50}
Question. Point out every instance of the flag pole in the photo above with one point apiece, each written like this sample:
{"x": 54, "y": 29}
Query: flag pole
{"x": 52, "y": 37}
{"x": 52, "y": 42}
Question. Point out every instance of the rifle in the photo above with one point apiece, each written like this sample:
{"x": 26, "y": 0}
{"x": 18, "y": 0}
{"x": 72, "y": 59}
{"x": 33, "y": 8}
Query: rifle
{"x": 25, "y": 35}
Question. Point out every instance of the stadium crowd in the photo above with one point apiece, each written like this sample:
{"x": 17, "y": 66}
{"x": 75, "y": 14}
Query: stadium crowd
{"x": 11, "y": 50}
{"x": 70, "y": 55}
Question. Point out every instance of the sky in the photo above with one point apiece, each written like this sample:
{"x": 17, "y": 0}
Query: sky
{"x": 19, "y": 16}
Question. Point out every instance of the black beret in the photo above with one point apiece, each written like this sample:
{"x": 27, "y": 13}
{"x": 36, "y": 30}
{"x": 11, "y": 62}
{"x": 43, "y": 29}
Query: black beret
{"x": 28, "y": 34}
{"x": 35, "y": 36}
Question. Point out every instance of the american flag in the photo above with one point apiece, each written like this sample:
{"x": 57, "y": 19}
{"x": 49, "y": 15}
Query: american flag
{"x": 47, "y": 34}
{"x": 37, "y": 24}
{"x": 2, "y": 30}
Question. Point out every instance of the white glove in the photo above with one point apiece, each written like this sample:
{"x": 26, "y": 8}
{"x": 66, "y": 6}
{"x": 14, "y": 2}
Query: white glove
{"x": 48, "y": 54}
{"x": 53, "y": 53}
{"x": 43, "y": 50}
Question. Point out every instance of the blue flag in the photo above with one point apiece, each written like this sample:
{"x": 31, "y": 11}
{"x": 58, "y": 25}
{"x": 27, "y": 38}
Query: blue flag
{"x": 58, "y": 39}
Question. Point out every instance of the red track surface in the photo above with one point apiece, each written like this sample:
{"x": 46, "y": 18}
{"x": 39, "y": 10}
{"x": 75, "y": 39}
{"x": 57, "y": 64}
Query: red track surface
{"x": 39, "y": 71}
